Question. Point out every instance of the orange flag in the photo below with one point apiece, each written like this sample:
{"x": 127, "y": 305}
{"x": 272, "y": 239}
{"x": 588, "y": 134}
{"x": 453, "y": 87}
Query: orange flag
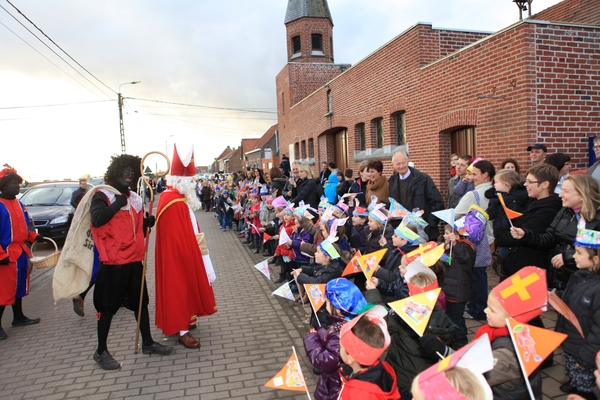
{"x": 509, "y": 213}
{"x": 353, "y": 266}
{"x": 316, "y": 294}
{"x": 266, "y": 237}
{"x": 369, "y": 261}
{"x": 563, "y": 309}
{"x": 290, "y": 377}
{"x": 533, "y": 344}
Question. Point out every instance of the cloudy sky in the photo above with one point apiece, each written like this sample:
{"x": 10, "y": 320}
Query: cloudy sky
{"x": 207, "y": 70}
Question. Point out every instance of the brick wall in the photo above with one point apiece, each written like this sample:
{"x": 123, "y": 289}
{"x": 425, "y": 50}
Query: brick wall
{"x": 304, "y": 27}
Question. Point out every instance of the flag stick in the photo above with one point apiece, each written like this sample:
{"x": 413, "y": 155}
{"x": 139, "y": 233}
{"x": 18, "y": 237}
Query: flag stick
{"x": 301, "y": 373}
{"x": 450, "y": 255}
{"x": 298, "y": 286}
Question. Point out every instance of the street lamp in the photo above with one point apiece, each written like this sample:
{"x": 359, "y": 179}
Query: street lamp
{"x": 120, "y": 100}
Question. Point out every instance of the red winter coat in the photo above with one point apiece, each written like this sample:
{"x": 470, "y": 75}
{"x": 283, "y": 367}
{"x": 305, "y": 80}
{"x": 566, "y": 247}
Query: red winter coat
{"x": 361, "y": 386}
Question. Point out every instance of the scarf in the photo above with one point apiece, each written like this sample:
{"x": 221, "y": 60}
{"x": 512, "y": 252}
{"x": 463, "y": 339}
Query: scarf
{"x": 493, "y": 333}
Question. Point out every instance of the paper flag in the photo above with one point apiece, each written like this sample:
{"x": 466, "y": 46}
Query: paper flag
{"x": 263, "y": 267}
{"x": 397, "y": 210}
{"x": 290, "y": 377}
{"x": 563, "y": 309}
{"x": 533, "y": 344}
{"x": 353, "y": 266}
{"x": 420, "y": 251}
{"x": 369, "y": 261}
{"x": 266, "y": 237}
{"x": 432, "y": 256}
{"x": 284, "y": 291}
{"x": 446, "y": 215}
{"x": 280, "y": 202}
{"x": 416, "y": 310}
{"x": 283, "y": 237}
{"x": 509, "y": 213}
{"x": 316, "y": 294}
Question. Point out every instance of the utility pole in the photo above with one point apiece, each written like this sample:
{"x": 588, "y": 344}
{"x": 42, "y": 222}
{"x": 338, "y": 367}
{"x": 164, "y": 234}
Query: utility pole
{"x": 121, "y": 126}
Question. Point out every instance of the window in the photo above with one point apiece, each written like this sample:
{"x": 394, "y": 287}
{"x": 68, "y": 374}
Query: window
{"x": 296, "y": 44}
{"x": 360, "y": 137}
{"x": 464, "y": 141}
{"x": 400, "y": 129}
{"x": 378, "y": 130}
{"x": 296, "y": 149}
{"x": 329, "y": 102}
{"x": 311, "y": 148}
{"x": 303, "y": 148}
{"x": 282, "y": 103}
{"x": 317, "y": 42}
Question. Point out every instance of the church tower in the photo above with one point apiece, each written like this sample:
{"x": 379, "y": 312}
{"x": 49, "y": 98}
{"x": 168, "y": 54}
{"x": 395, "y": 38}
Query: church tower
{"x": 309, "y": 30}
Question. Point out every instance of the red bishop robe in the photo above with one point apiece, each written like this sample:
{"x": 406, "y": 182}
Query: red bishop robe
{"x": 182, "y": 287}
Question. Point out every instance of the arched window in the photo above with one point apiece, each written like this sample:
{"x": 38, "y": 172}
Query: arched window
{"x": 311, "y": 148}
{"x": 303, "y": 149}
{"x": 377, "y": 131}
{"x": 317, "y": 42}
{"x": 296, "y": 45}
{"x": 361, "y": 139}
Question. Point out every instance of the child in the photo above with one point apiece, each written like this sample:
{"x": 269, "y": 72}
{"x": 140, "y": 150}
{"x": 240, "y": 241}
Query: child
{"x": 267, "y": 216}
{"x": 226, "y": 210}
{"x": 522, "y": 302}
{"x": 455, "y": 383}
{"x": 327, "y": 266}
{"x": 358, "y": 240}
{"x": 285, "y": 254}
{"x": 374, "y": 234}
{"x": 255, "y": 220}
{"x": 457, "y": 282}
{"x": 582, "y": 295}
{"x": 344, "y": 302}
{"x": 362, "y": 342}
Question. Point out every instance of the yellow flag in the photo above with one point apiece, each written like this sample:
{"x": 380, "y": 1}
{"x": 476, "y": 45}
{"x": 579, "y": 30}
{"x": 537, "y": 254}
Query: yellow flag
{"x": 416, "y": 310}
{"x": 369, "y": 261}
{"x": 432, "y": 256}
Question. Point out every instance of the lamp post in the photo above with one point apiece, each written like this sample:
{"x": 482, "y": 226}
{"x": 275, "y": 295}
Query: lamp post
{"x": 120, "y": 100}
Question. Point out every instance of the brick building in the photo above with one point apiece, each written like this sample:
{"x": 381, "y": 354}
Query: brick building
{"x": 266, "y": 151}
{"x": 433, "y": 92}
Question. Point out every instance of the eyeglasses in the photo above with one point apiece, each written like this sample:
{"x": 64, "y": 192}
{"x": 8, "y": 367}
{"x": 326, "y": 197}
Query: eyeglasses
{"x": 530, "y": 181}
{"x": 596, "y": 147}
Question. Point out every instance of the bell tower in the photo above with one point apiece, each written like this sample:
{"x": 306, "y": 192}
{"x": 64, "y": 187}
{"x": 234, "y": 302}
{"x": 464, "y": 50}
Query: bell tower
{"x": 309, "y": 29}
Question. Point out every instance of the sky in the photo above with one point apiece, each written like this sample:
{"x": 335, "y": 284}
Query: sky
{"x": 207, "y": 70}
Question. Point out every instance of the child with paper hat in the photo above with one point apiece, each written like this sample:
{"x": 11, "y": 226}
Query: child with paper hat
{"x": 344, "y": 301}
{"x": 362, "y": 343}
{"x": 358, "y": 240}
{"x": 322, "y": 230}
{"x": 522, "y": 297}
{"x": 283, "y": 251}
{"x": 582, "y": 295}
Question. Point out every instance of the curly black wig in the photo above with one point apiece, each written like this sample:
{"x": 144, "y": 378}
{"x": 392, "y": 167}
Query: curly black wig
{"x": 118, "y": 164}
{"x": 10, "y": 178}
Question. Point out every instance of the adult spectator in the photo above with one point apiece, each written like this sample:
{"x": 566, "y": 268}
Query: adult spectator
{"x": 306, "y": 187}
{"x": 415, "y": 189}
{"x": 580, "y": 199}
{"x": 594, "y": 171}
{"x": 325, "y": 172}
{"x": 330, "y": 189}
{"x": 483, "y": 172}
{"x": 562, "y": 163}
{"x": 543, "y": 206}
{"x": 206, "y": 195}
{"x": 78, "y": 193}
{"x": 278, "y": 181}
{"x": 378, "y": 185}
{"x": 537, "y": 153}
{"x": 461, "y": 172}
{"x": 285, "y": 165}
{"x": 511, "y": 163}
{"x": 345, "y": 182}
{"x": 360, "y": 184}
{"x": 291, "y": 187}
{"x": 258, "y": 177}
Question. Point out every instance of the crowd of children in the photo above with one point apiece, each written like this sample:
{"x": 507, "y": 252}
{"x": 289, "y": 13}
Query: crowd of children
{"x": 362, "y": 346}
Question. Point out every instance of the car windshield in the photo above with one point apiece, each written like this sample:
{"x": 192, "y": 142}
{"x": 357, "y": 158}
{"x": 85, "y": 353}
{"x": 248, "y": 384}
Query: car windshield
{"x": 48, "y": 196}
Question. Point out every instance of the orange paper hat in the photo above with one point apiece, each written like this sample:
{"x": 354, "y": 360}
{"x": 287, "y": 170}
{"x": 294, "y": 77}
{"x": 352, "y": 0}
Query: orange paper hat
{"x": 476, "y": 356}
{"x": 363, "y": 353}
{"x": 183, "y": 167}
{"x": 523, "y": 295}
{"x": 414, "y": 268}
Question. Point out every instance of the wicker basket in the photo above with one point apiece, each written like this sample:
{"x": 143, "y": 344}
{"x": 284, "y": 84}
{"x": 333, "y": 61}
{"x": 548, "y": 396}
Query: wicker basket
{"x": 48, "y": 261}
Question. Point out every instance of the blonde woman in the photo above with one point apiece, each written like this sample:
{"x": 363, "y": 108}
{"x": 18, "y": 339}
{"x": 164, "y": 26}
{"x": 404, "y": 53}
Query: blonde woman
{"x": 306, "y": 187}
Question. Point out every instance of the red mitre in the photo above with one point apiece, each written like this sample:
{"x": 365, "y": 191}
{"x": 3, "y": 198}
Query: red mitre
{"x": 523, "y": 295}
{"x": 179, "y": 168}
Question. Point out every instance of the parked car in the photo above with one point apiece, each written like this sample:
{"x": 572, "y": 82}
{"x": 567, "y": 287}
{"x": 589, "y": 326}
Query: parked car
{"x": 49, "y": 206}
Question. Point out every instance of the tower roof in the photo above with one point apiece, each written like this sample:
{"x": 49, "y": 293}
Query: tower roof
{"x": 307, "y": 8}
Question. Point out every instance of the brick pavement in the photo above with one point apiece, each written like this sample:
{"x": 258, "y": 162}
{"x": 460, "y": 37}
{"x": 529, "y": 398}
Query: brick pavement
{"x": 243, "y": 345}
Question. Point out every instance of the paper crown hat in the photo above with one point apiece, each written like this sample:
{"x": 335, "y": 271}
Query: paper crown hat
{"x": 475, "y": 161}
{"x": 343, "y": 207}
{"x": 363, "y": 353}
{"x": 378, "y": 215}
{"x": 185, "y": 166}
{"x": 327, "y": 246}
{"x": 403, "y": 232}
{"x": 360, "y": 212}
{"x": 523, "y": 295}
{"x": 415, "y": 268}
{"x": 323, "y": 203}
{"x": 587, "y": 238}
{"x": 346, "y": 297}
{"x": 477, "y": 357}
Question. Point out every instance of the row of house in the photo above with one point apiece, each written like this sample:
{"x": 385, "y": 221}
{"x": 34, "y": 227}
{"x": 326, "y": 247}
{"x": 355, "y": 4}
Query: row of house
{"x": 260, "y": 152}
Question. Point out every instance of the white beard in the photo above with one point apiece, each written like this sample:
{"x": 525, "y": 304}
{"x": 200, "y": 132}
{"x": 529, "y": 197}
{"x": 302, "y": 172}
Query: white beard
{"x": 186, "y": 186}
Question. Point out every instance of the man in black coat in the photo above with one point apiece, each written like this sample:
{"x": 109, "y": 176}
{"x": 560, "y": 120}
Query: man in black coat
{"x": 415, "y": 189}
{"x": 78, "y": 193}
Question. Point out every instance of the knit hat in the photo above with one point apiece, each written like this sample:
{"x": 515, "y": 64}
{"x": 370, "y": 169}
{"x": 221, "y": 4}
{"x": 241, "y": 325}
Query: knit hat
{"x": 523, "y": 295}
{"x": 346, "y": 297}
{"x": 226, "y": 192}
{"x": 363, "y": 353}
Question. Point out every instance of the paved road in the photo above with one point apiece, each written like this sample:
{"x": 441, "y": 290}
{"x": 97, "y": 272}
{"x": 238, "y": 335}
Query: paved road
{"x": 243, "y": 345}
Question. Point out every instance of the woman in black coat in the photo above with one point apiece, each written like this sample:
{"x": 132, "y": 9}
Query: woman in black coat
{"x": 580, "y": 199}
{"x": 306, "y": 187}
{"x": 278, "y": 181}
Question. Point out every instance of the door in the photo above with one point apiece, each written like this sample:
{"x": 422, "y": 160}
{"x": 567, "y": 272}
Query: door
{"x": 341, "y": 150}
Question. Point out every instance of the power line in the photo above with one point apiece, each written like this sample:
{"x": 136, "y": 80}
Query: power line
{"x": 53, "y": 42}
{"x": 249, "y": 110}
{"x": 65, "y": 61}
{"x": 54, "y": 105}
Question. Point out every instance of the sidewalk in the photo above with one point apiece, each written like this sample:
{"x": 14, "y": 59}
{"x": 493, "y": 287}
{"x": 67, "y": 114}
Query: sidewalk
{"x": 243, "y": 345}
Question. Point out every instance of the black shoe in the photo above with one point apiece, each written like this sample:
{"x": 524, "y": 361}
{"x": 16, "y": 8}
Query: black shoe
{"x": 106, "y": 361}
{"x": 26, "y": 321}
{"x": 567, "y": 388}
{"x": 3, "y": 334}
{"x": 157, "y": 348}
{"x": 279, "y": 280}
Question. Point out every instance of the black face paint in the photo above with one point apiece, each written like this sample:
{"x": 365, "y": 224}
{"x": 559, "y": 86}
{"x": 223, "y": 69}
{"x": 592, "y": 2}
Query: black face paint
{"x": 125, "y": 180}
